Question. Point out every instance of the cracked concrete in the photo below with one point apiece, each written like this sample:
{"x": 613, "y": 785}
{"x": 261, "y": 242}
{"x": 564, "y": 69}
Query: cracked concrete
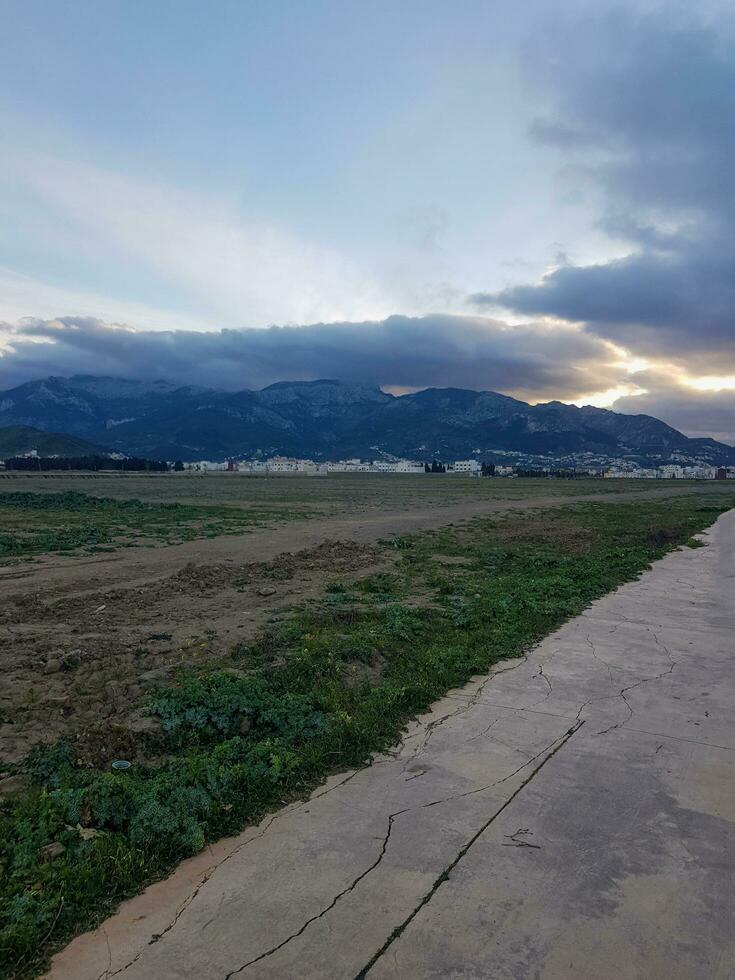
{"x": 571, "y": 815}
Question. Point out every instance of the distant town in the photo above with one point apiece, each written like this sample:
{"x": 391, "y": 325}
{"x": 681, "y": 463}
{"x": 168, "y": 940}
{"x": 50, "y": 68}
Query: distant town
{"x": 465, "y": 467}
{"x": 283, "y": 465}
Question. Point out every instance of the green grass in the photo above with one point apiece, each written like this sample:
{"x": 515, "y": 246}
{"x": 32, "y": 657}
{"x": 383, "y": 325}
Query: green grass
{"x": 323, "y": 690}
{"x": 72, "y": 522}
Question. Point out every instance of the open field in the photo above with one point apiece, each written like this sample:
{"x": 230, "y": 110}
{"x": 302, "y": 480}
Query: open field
{"x": 89, "y": 513}
{"x": 328, "y": 495}
{"x": 84, "y": 635}
{"x": 236, "y": 671}
{"x": 46, "y": 515}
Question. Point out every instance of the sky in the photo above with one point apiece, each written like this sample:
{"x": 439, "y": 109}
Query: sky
{"x": 533, "y": 198}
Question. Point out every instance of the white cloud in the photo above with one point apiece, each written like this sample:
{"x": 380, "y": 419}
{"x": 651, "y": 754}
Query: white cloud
{"x": 236, "y": 268}
{"x": 23, "y": 296}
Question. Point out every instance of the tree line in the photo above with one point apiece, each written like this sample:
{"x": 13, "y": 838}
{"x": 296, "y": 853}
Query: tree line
{"x": 91, "y": 463}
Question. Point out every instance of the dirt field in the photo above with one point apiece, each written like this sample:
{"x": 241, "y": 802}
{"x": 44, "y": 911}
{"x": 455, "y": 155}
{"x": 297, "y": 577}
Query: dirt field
{"x": 85, "y": 636}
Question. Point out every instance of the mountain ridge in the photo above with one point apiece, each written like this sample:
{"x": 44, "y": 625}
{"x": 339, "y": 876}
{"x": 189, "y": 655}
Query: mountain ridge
{"x": 20, "y": 440}
{"x": 329, "y": 418}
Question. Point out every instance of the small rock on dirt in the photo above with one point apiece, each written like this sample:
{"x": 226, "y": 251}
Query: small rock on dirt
{"x": 156, "y": 676}
{"x": 52, "y": 667}
{"x": 49, "y": 852}
{"x": 14, "y": 784}
{"x": 87, "y": 833}
{"x": 145, "y": 724}
{"x": 57, "y": 700}
{"x": 267, "y": 590}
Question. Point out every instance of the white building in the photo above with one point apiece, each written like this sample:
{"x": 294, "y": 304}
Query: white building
{"x": 466, "y": 466}
{"x": 348, "y": 466}
{"x": 205, "y": 466}
{"x": 282, "y": 464}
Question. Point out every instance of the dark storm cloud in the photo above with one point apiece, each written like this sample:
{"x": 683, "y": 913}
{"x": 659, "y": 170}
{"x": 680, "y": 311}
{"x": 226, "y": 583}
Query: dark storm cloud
{"x": 679, "y": 305}
{"x": 696, "y": 413}
{"x": 646, "y": 107}
{"x": 399, "y": 351}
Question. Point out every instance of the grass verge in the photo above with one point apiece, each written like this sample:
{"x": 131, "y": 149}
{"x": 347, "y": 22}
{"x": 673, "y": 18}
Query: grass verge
{"x": 69, "y": 522}
{"x": 323, "y": 690}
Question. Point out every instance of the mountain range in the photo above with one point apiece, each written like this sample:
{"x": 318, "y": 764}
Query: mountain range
{"x": 330, "y": 420}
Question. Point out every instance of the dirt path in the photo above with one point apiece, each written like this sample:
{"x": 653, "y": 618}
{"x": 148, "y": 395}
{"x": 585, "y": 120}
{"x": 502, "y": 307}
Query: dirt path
{"x": 541, "y": 822}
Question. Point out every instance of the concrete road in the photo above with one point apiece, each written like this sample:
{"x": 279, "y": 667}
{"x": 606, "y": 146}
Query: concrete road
{"x": 571, "y": 816}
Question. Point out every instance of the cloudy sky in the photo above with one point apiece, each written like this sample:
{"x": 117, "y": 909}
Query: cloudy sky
{"x": 529, "y": 197}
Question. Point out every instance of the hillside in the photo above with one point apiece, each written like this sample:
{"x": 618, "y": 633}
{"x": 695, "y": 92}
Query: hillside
{"x": 18, "y": 440}
{"x": 331, "y": 419}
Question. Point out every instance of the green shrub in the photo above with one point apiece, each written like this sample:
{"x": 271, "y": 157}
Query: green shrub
{"x": 207, "y": 709}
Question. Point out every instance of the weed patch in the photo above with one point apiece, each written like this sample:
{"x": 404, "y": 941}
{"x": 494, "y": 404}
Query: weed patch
{"x": 69, "y": 522}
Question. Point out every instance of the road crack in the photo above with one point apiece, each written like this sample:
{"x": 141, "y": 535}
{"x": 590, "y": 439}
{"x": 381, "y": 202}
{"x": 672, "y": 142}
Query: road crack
{"x": 465, "y": 706}
{"x": 157, "y": 937}
{"x": 595, "y": 654}
{"x": 353, "y": 884}
{"x": 645, "y": 680}
{"x": 548, "y": 750}
{"x": 444, "y": 876}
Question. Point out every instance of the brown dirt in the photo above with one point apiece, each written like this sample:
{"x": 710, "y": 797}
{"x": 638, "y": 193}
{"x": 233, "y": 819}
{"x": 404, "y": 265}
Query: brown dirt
{"x": 450, "y": 560}
{"x": 81, "y": 662}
